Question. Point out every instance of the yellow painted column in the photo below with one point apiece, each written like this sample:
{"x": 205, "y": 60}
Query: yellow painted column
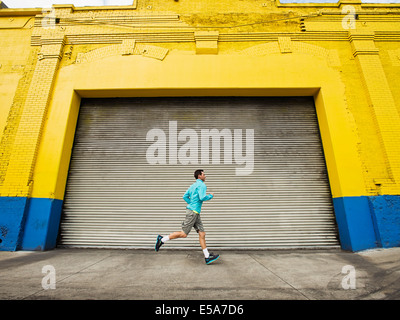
{"x": 14, "y": 115}
{"x": 18, "y": 177}
{"x": 381, "y": 101}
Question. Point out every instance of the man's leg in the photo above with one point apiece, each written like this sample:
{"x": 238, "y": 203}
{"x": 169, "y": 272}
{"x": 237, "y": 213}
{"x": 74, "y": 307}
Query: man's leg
{"x": 187, "y": 225}
{"x": 202, "y": 239}
{"x": 202, "y": 235}
{"x": 176, "y": 235}
{"x": 209, "y": 257}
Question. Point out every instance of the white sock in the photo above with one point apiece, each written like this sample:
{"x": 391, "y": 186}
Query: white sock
{"x": 165, "y": 239}
{"x": 206, "y": 254}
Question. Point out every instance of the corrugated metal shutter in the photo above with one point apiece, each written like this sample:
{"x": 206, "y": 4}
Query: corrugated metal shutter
{"x": 116, "y": 198}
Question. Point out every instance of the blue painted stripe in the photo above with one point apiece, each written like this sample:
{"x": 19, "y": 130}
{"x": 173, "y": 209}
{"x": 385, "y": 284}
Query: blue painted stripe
{"x": 386, "y": 219}
{"x": 354, "y": 220}
{"x": 29, "y": 223}
{"x": 42, "y": 224}
{"x": 12, "y": 219}
{"x": 368, "y": 222}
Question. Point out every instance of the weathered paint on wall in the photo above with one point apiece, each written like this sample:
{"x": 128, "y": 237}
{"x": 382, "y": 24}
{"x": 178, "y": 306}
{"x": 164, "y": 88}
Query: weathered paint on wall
{"x": 50, "y": 60}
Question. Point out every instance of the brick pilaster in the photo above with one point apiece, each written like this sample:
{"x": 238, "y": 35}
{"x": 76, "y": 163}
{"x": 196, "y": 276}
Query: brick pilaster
{"x": 18, "y": 178}
{"x": 381, "y": 101}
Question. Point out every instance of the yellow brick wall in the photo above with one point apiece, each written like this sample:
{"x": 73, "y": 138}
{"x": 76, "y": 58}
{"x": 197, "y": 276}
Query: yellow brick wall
{"x": 366, "y": 59}
{"x": 14, "y": 53}
{"x": 390, "y": 57}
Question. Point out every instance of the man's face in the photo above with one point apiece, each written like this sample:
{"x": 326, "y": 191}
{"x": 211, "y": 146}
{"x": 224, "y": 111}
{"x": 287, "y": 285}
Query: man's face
{"x": 202, "y": 176}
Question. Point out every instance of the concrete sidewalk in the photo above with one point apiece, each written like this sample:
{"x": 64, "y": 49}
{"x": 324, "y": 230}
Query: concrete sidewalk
{"x": 178, "y": 274}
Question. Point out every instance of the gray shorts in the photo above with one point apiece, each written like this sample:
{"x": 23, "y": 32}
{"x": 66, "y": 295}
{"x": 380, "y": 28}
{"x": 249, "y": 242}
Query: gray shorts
{"x": 192, "y": 220}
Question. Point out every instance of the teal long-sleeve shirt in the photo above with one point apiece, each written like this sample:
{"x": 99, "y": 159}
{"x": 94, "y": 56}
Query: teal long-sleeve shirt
{"x": 195, "y": 195}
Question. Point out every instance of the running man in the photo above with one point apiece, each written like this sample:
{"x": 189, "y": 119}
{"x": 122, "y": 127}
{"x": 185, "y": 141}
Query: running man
{"x": 194, "y": 196}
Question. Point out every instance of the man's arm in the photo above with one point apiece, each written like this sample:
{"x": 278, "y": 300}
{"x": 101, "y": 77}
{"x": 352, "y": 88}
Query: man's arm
{"x": 186, "y": 196}
{"x": 203, "y": 196}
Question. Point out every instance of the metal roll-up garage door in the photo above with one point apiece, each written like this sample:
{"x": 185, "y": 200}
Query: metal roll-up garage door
{"x": 133, "y": 160}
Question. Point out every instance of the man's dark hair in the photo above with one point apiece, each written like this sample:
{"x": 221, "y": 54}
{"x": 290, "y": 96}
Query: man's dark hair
{"x": 197, "y": 173}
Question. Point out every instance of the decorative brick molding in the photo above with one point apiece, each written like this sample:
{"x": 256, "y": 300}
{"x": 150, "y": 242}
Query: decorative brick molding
{"x": 285, "y": 45}
{"x": 206, "y": 42}
{"x": 128, "y": 47}
{"x": 381, "y": 101}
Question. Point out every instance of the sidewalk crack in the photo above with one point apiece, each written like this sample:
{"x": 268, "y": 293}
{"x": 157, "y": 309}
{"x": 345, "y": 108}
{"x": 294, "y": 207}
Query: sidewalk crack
{"x": 276, "y": 275}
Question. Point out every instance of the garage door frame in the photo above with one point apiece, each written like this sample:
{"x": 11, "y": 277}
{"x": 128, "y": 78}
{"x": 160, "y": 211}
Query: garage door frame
{"x": 251, "y": 76}
{"x": 93, "y": 216}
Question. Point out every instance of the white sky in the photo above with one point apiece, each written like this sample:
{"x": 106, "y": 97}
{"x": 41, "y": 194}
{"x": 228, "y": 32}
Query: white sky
{"x": 82, "y": 3}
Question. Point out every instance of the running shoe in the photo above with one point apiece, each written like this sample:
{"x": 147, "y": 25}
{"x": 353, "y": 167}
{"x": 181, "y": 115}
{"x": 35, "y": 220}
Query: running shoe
{"x": 159, "y": 243}
{"x": 212, "y": 258}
